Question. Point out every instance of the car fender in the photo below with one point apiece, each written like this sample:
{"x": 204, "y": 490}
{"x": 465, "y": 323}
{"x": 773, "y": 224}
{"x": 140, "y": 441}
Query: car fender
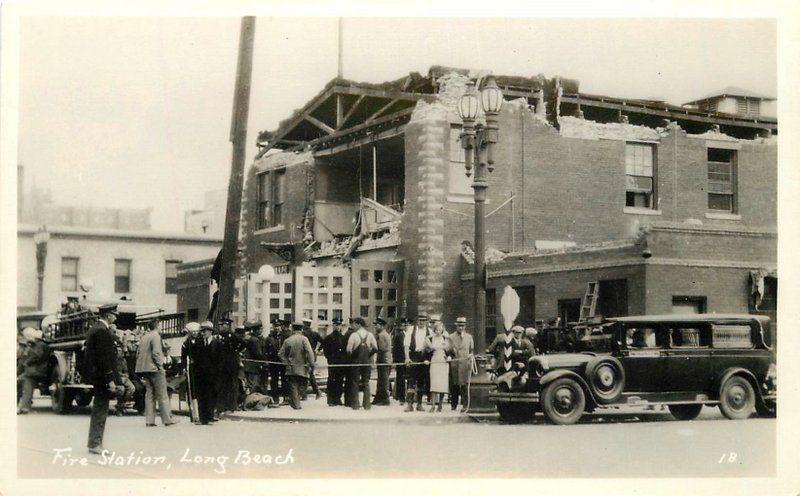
{"x": 557, "y": 374}
{"x": 506, "y": 381}
{"x": 728, "y": 373}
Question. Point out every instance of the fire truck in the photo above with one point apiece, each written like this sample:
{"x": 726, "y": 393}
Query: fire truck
{"x": 66, "y": 335}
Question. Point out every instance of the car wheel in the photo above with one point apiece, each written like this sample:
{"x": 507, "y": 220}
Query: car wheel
{"x": 516, "y": 413}
{"x": 766, "y": 408}
{"x": 606, "y": 377}
{"x": 563, "y": 401}
{"x": 685, "y": 412}
{"x": 737, "y": 398}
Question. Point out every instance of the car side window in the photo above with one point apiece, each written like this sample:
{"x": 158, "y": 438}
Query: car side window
{"x": 646, "y": 338}
{"x": 690, "y": 337}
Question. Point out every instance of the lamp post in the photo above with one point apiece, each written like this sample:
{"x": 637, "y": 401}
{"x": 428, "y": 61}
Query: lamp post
{"x": 478, "y": 141}
{"x": 40, "y": 237}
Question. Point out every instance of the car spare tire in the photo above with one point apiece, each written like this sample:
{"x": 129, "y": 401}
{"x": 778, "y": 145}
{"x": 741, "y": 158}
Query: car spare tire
{"x": 606, "y": 378}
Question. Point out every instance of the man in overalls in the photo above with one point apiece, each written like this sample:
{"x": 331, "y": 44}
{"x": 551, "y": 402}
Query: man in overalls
{"x": 361, "y": 346}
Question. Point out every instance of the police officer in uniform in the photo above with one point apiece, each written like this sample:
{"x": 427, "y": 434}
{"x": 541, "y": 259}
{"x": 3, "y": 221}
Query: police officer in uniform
{"x": 205, "y": 356}
{"x": 101, "y": 372}
{"x": 333, "y": 346}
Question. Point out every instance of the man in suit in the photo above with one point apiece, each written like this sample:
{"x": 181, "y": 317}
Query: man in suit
{"x": 150, "y": 366}
{"x": 313, "y": 339}
{"x": 277, "y": 377}
{"x": 399, "y": 358}
{"x": 297, "y": 355}
{"x": 384, "y": 361}
{"x": 205, "y": 356}
{"x": 333, "y": 346}
{"x": 101, "y": 372}
{"x": 188, "y": 365}
{"x": 415, "y": 353}
{"x": 254, "y": 356}
{"x": 462, "y": 347}
{"x": 229, "y": 346}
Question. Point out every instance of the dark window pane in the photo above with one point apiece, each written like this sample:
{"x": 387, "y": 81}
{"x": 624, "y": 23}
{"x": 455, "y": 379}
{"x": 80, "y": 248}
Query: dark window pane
{"x": 720, "y": 202}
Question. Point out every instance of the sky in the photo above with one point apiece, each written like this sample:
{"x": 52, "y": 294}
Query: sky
{"x": 135, "y": 111}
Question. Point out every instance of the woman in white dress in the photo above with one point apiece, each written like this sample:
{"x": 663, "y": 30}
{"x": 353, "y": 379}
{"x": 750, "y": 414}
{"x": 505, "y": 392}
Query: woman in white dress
{"x": 440, "y": 369}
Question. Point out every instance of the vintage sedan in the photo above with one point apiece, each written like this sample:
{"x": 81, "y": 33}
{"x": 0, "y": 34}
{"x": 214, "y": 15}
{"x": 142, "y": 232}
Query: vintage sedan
{"x": 682, "y": 361}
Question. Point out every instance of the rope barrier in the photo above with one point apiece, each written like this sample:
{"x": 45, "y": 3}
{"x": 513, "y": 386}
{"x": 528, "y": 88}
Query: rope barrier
{"x": 337, "y": 365}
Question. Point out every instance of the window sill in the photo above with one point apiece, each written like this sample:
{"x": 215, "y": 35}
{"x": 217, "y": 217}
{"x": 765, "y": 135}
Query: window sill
{"x": 723, "y": 216}
{"x": 268, "y": 230}
{"x": 640, "y": 211}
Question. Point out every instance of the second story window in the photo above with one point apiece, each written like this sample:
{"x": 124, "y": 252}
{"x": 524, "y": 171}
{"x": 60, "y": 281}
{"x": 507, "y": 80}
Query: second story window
{"x": 722, "y": 180}
{"x": 270, "y": 198}
{"x": 171, "y": 276}
{"x": 640, "y": 184}
{"x": 69, "y": 274}
{"x": 122, "y": 275}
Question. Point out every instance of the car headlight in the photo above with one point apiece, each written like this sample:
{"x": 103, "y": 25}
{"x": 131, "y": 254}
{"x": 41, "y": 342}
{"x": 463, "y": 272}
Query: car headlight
{"x": 539, "y": 366}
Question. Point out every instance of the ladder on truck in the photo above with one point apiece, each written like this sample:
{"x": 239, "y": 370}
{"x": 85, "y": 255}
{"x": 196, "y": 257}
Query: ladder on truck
{"x": 589, "y": 302}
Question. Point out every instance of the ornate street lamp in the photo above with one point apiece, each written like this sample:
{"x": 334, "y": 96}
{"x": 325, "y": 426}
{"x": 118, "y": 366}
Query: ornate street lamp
{"x": 478, "y": 143}
{"x": 40, "y": 237}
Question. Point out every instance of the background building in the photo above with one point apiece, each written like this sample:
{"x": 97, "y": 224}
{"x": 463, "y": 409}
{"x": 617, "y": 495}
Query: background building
{"x": 211, "y": 219}
{"x": 140, "y": 266}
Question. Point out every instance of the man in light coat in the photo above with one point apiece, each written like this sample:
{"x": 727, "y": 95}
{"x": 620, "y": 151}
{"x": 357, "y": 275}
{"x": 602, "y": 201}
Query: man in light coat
{"x": 150, "y": 366}
{"x": 299, "y": 358}
{"x": 462, "y": 347}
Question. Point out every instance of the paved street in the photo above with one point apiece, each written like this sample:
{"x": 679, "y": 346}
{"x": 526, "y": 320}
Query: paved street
{"x": 610, "y": 446}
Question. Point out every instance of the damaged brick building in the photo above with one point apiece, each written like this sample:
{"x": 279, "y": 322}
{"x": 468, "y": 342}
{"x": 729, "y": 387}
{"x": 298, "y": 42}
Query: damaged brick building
{"x": 361, "y": 203}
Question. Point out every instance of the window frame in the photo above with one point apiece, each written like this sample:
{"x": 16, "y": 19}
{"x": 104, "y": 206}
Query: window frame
{"x": 734, "y": 181}
{"x": 76, "y": 275}
{"x": 270, "y": 198}
{"x": 117, "y": 278}
{"x": 653, "y": 195}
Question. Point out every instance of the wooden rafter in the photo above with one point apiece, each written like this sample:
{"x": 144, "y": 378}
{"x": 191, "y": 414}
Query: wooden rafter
{"x": 320, "y": 124}
{"x": 380, "y": 111}
{"x": 350, "y": 112}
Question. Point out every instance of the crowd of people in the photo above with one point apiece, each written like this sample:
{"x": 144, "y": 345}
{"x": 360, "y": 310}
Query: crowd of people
{"x": 228, "y": 369}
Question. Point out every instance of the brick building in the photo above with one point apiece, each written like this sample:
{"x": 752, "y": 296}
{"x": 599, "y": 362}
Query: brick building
{"x": 670, "y": 208}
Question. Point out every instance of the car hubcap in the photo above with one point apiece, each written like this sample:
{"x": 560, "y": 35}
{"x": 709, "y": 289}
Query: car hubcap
{"x": 564, "y": 400}
{"x": 737, "y": 397}
{"x": 606, "y": 376}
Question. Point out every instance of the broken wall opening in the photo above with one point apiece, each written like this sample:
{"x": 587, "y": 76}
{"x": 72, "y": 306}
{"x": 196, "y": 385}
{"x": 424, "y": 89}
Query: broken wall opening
{"x": 374, "y": 170}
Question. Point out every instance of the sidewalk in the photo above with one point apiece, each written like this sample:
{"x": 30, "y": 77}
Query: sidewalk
{"x": 318, "y": 411}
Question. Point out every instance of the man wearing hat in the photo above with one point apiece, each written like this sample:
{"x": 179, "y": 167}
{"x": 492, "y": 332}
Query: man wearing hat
{"x": 229, "y": 362}
{"x": 349, "y": 372}
{"x": 299, "y": 358}
{"x": 313, "y": 339}
{"x": 254, "y": 356}
{"x": 399, "y": 357}
{"x": 416, "y": 372}
{"x": 503, "y": 348}
{"x": 34, "y": 367}
{"x": 384, "y": 362}
{"x": 277, "y": 376}
{"x": 462, "y": 347}
{"x": 100, "y": 357}
{"x": 204, "y": 358}
{"x": 192, "y": 335}
{"x": 333, "y": 346}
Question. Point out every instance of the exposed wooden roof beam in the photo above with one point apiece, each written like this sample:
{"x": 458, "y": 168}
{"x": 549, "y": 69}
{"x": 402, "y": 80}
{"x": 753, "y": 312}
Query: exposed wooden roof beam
{"x": 344, "y": 132}
{"x": 380, "y": 111}
{"x": 320, "y": 124}
{"x": 350, "y": 112}
{"x": 382, "y": 135}
{"x": 686, "y": 114}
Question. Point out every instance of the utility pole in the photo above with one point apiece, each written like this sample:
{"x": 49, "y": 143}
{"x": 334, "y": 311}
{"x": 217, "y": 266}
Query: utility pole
{"x": 238, "y": 137}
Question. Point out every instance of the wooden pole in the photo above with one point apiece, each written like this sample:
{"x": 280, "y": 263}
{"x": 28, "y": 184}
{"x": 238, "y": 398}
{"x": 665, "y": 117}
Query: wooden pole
{"x": 238, "y": 137}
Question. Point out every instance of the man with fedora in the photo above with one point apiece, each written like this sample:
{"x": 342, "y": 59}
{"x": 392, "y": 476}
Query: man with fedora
{"x": 204, "y": 359}
{"x": 333, "y": 346}
{"x": 100, "y": 357}
{"x": 384, "y": 341}
{"x": 299, "y": 358}
{"x": 462, "y": 347}
{"x": 150, "y": 366}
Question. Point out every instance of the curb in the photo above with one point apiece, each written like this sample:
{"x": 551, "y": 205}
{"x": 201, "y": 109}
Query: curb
{"x": 411, "y": 419}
